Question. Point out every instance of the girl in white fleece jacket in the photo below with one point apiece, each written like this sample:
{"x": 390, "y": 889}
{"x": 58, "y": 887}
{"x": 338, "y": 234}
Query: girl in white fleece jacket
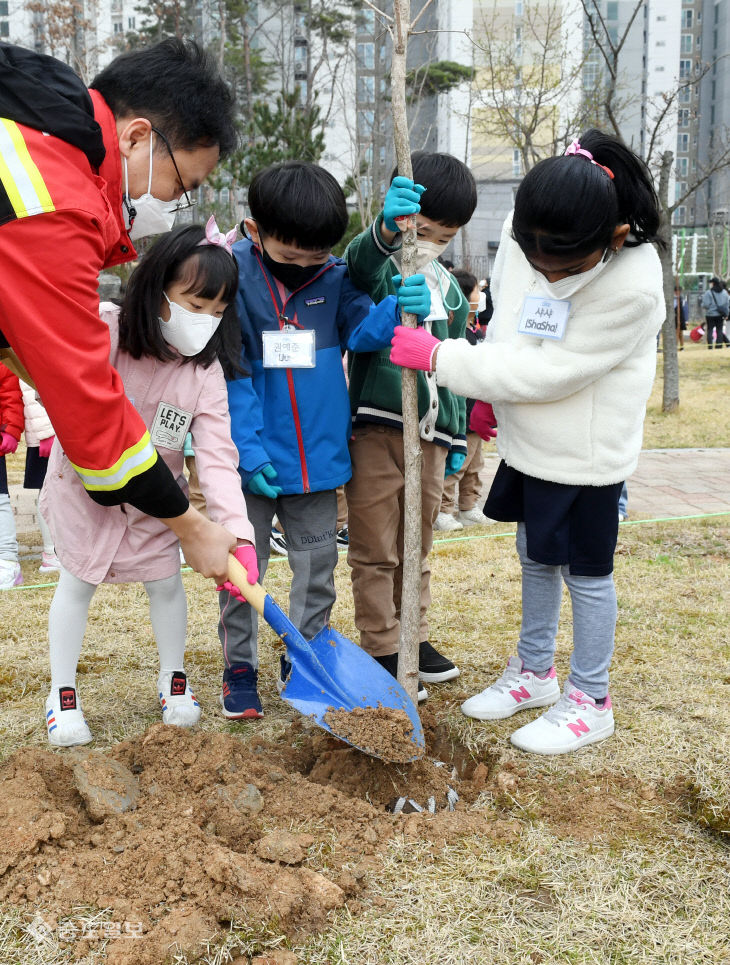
{"x": 568, "y": 364}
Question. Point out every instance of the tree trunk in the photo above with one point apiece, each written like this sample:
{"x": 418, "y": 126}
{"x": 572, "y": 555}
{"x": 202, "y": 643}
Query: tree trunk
{"x": 670, "y": 366}
{"x": 410, "y": 615}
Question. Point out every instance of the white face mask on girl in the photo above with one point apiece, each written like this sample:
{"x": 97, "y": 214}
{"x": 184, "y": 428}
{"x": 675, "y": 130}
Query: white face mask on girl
{"x": 571, "y": 284}
{"x": 151, "y": 216}
{"x": 188, "y": 332}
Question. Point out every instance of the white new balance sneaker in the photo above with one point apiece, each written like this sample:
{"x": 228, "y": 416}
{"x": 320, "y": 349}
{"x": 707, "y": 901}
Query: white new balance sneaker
{"x": 516, "y": 689}
{"x": 573, "y": 722}
{"x": 447, "y": 523}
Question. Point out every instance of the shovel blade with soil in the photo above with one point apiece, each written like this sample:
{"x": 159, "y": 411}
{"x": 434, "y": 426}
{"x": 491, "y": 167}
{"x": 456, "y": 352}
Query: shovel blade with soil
{"x": 339, "y": 686}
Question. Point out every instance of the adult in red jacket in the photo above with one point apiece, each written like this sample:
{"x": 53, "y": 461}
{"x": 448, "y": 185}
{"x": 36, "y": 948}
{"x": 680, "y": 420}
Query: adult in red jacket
{"x": 82, "y": 174}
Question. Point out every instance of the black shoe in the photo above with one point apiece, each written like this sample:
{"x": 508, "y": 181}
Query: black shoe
{"x": 434, "y": 667}
{"x": 343, "y": 536}
{"x": 284, "y": 671}
{"x": 390, "y": 663}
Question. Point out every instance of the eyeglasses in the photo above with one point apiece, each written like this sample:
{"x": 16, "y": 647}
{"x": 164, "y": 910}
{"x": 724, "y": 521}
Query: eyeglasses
{"x": 188, "y": 202}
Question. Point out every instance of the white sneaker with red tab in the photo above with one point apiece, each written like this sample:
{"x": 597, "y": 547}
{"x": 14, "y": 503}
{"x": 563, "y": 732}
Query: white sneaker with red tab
{"x": 576, "y": 720}
{"x": 517, "y": 689}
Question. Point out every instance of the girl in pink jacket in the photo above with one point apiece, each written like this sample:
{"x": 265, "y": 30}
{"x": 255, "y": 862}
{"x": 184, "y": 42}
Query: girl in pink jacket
{"x": 175, "y": 333}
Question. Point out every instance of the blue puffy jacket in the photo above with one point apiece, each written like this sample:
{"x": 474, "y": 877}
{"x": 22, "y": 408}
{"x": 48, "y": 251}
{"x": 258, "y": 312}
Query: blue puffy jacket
{"x": 298, "y": 419}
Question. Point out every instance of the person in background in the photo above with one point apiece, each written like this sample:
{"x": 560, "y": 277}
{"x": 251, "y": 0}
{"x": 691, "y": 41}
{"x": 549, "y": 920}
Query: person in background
{"x": 486, "y": 306}
{"x": 175, "y": 333}
{"x": 467, "y": 478}
{"x": 39, "y": 436}
{"x": 11, "y": 429}
{"x": 568, "y": 364}
{"x": 716, "y": 306}
{"x": 681, "y": 315}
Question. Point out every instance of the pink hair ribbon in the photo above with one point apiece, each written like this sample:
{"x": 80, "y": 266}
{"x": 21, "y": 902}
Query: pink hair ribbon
{"x": 213, "y": 236}
{"x": 575, "y": 148}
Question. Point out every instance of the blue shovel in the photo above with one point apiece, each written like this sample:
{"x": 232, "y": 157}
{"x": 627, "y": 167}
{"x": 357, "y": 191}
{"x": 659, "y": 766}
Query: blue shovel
{"x": 329, "y": 672}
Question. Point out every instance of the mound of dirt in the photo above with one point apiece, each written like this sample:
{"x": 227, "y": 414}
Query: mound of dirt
{"x": 176, "y": 833}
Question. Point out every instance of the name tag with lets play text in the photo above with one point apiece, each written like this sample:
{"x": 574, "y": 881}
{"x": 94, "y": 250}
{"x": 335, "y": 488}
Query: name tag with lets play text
{"x": 544, "y": 317}
{"x": 289, "y": 349}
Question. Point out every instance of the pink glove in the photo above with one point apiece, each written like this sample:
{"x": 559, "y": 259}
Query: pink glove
{"x": 483, "y": 421}
{"x": 413, "y": 348}
{"x": 246, "y": 556}
{"x": 45, "y": 446}
{"x": 8, "y": 443}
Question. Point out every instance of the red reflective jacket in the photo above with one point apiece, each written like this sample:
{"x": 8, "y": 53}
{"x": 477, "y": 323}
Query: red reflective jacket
{"x": 61, "y": 223}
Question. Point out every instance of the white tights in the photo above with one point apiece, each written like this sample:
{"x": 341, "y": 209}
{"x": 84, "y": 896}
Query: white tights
{"x": 70, "y": 609}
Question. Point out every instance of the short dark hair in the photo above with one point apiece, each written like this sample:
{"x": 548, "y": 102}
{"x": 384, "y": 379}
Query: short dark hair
{"x": 177, "y": 86}
{"x": 566, "y": 206}
{"x": 178, "y": 256}
{"x": 298, "y": 203}
{"x": 467, "y": 281}
{"x": 451, "y": 191}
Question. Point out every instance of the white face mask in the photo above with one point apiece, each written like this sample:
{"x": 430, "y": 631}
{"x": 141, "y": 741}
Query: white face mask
{"x": 426, "y": 252}
{"x": 188, "y": 332}
{"x": 571, "y": 284}
{"x": 152, "y": 216}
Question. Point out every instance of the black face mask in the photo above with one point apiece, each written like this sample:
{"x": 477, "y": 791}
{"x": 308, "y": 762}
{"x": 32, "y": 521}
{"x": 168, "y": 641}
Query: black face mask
{"x": 291, "y": 276}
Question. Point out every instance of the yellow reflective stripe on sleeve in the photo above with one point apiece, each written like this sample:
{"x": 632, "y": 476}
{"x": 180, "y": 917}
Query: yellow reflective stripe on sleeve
{"x": 21, "y": 178}
{"x": 133, "y": 461}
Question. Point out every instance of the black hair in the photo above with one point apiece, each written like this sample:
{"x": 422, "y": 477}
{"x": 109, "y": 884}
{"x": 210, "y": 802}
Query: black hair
{"x": 451, "y": 191}
{"x": 716, "y": 283}
{"x": 467, "y": 281}
{"x": 207, "y": 269}
{"x": 298, "y": 203}
{"x": 566, "y": 206}
{"x": 177, "y": 86}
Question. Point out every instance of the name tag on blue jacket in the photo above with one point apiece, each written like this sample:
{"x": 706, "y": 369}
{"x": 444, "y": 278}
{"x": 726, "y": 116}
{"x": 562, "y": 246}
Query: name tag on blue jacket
{"x": 544, "y": 317}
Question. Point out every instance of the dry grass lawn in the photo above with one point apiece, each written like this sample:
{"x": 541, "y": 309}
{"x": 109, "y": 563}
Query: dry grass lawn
{"x": 621, "y": 852}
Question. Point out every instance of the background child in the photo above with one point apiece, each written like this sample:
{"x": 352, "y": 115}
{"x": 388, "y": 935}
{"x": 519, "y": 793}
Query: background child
{"x": 467, "y": 478}
{"x": 39, "y": 436}
{"x": 375, "y": 492}
{"x": 176, "y": 321}
{"x": 11, "y": 427}
{"x": 716, "y": 306}
{"x": 299, "y": 311}
{"x": 568, "y": 363}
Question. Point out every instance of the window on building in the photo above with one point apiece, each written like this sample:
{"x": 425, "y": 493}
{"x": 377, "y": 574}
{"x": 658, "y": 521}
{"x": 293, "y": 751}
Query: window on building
{"x": 366, "y": 20}
{"x": 130, "y": 23}
{"x": 3, "y": 8}
{"x": 519, "y": 8}
{"x": 687, "y": 19}
{"x": 685, "y": 95}
{"x": 685, "y": 45}
{"x": 612, "y": 10}
{"x": 366, "y": 56}
{"x": 365, "y": 120}
{"x": 516, "y": 163}
{"x": 682, "y": 143}
{"x": 682, "y": 167}
{"x": 683, "y": 117}
{"x": 680, "y": 215}
{"x": 685, "y": 68}
{"x": 118, "y": 27}
{"x": 4, "y": 28}
{"x": 365, "y": 88}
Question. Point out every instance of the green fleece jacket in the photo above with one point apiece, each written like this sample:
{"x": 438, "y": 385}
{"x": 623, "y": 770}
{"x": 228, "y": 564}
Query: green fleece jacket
{"x": 375, "y": 382}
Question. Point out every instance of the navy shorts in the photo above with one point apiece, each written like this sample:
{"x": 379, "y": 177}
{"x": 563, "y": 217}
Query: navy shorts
{"x": 575, "y": 526}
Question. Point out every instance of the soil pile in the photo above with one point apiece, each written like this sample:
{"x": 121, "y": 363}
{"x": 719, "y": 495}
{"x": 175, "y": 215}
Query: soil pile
{"x": 179, "y": 833}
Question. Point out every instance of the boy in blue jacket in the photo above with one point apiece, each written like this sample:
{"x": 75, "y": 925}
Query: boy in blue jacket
{"x": 290, "y": 418}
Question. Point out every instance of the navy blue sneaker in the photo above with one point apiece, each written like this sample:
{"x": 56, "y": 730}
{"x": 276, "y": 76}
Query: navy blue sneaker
{"x": 240, "y": 698}
{"x": 284, "y": 671}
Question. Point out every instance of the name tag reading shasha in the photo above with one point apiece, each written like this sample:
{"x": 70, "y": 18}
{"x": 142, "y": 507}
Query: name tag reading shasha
{"x": 544, "y": 317}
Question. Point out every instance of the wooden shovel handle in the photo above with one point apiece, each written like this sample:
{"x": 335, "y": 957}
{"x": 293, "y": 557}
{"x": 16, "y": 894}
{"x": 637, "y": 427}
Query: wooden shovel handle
{"x": 255, "y": 594}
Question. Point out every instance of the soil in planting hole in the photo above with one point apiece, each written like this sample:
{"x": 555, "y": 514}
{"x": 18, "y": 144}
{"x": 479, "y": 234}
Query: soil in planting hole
{"x": 176, "y": 833}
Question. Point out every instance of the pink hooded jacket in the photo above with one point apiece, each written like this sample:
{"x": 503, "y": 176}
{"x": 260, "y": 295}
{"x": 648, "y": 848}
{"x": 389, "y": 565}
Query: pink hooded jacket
{"x": 119, "y": 544}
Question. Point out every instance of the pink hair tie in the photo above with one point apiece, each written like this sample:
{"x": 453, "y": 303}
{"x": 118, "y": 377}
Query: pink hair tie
{"x": 213, "y": 236}
{"x": 575, "y": 148}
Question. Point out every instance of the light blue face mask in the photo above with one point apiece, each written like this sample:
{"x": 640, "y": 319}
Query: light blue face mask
{"x": 439, "y": 270}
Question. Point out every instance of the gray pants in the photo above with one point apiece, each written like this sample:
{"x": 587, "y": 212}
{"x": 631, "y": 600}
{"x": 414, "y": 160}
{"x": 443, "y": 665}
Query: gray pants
{"x": 593, "y": 600}
{"x": 310, "y": 526}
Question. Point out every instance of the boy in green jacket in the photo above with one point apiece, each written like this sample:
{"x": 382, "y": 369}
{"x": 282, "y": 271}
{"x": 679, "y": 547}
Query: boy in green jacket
{"x": 442, "y": 196}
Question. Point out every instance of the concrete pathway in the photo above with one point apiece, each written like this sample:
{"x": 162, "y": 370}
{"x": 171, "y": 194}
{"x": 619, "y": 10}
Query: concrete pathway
{"x": 667, "y": 483}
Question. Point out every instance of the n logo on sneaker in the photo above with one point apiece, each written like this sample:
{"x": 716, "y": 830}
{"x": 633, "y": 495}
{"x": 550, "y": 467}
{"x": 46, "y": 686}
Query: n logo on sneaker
{"x": 178, "y": 684}
{"x": 579, "y": 727}
{"x": 67, "y": 698}
{"x": 521, "y": 694}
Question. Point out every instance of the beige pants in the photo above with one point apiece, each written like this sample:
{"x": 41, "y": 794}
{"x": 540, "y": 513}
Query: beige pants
{"x": 375, "y": 552}
{"x": 470, "y": 485}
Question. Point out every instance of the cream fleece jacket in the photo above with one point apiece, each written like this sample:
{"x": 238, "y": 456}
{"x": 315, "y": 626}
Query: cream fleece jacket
{"x": 568, "y": 411}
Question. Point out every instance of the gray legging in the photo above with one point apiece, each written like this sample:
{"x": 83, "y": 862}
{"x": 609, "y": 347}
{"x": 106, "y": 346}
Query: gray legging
{"x": 594, "y": 605}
